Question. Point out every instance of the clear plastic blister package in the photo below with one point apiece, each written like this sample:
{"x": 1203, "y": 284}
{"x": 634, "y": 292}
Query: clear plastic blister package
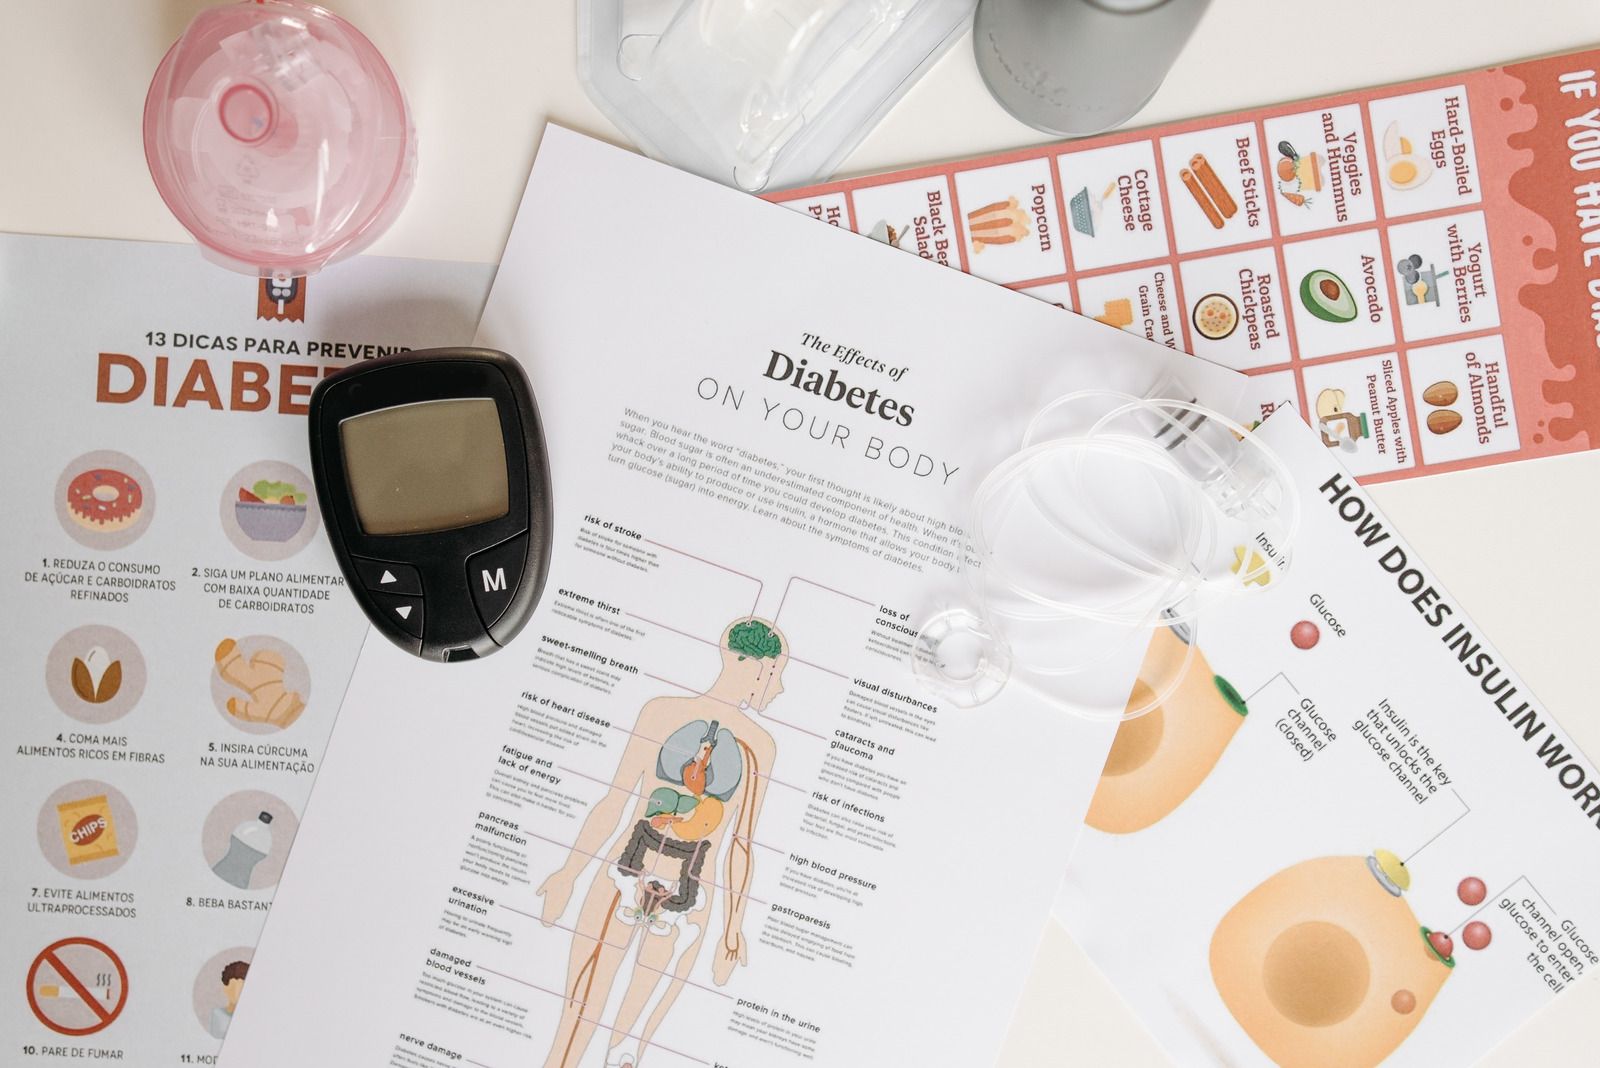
{"x": 1108, "y": 536}
{"x": 757, "y": 94}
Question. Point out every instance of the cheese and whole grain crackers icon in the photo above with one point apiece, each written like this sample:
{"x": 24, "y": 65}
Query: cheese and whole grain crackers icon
{"x": 1001, "y": 223}
{"x": 1118, "y": 313}
{"x": 1208, "y": 191}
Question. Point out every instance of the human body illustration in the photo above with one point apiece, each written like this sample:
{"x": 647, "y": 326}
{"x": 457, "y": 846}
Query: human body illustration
{"x": 690, "y": 783}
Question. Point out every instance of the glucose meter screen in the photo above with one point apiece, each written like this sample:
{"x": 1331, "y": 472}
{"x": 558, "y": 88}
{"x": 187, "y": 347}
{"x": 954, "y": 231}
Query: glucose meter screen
{"x": 435, "y": 465}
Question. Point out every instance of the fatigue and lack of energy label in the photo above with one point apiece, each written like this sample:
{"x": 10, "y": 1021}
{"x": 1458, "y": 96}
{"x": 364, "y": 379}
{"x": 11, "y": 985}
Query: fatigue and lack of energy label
{"x": 1389, "y": 848}
{"x": 178, "y": 632}
{"x": 1413, "y": 268}
{"x": 700, "y": 813}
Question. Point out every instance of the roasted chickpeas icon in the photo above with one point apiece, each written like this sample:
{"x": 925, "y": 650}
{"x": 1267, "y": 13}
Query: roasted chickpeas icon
{"x": 1324, "y": 964}
{"x": 1161, "y": 756}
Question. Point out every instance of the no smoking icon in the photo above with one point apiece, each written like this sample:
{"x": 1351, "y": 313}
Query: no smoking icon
{"x": 77, "y": 986}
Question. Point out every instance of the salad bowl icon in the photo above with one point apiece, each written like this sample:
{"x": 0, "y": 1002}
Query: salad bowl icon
{"x": 270, "y": 511}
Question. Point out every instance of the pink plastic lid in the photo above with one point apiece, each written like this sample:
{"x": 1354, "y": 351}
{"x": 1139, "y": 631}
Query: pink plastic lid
{"x": 278, "y": 136}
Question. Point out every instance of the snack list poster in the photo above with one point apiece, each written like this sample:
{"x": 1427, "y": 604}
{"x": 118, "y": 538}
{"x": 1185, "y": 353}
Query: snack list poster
{"x": 177, "y": 634}
{"x": 1416, "y": 268}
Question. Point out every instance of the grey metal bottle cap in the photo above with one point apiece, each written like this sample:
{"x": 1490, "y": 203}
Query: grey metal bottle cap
{"x": 1079, "y": 67}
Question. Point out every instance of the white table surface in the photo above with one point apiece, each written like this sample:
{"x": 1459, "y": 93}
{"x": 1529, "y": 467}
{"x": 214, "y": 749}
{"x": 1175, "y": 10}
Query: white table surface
{"x": 1514, "y": 543}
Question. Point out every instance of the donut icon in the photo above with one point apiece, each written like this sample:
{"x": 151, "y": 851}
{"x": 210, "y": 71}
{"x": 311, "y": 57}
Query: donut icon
{"x": 104, "y": 500}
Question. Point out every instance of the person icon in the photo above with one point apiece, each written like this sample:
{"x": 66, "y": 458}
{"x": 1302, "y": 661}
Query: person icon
{"x": 233, "y": 975}
{"x": 690, "y": 783}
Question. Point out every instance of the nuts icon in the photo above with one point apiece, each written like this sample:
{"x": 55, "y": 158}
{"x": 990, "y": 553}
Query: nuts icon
{"x": 1441, "y": 395}
{"x": 96, "y": 677}
{"x": 1443, "y": 420}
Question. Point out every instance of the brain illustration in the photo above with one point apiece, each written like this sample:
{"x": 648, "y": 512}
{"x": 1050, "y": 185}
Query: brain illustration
{"x": 754, "y": 638}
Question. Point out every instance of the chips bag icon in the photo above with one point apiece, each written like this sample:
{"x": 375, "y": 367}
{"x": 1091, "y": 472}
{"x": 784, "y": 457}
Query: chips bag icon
{"x": 87, "y": 829}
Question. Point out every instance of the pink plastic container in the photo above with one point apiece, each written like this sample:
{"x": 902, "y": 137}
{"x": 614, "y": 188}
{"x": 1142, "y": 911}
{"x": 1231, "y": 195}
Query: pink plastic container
{"x": 279, "y": 137}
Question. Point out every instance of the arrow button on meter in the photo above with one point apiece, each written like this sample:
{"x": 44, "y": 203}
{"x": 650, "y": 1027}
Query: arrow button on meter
{"x": 403, "y": 612}
{"x": 386, "y": 576}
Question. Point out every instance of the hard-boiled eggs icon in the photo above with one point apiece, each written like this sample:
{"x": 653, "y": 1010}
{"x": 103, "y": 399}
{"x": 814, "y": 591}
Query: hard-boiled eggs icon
{"x": 1403, "y": 168}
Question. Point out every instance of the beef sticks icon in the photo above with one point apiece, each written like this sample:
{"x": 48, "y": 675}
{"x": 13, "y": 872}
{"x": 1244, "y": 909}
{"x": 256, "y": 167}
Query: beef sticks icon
{"x": 1208, "y": 191}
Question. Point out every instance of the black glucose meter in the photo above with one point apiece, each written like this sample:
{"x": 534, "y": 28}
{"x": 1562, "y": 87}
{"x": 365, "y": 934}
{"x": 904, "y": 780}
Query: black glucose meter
{"x": 431, "y": 473}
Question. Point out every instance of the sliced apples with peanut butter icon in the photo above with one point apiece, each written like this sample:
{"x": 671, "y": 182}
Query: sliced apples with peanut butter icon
{"x": 1324, "y": 964}
{"x": 1339, "y": 428}
{"x": 1182, "y": 717}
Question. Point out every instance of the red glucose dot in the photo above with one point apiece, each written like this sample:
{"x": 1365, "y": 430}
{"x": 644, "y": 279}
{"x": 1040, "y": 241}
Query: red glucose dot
{"x": 1471, "y": 891}
{"x": 1304, "y": 634}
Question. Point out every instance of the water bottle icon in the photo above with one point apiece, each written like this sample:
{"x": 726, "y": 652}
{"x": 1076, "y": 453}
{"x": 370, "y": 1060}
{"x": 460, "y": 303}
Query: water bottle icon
{"x": 248, "y": 846}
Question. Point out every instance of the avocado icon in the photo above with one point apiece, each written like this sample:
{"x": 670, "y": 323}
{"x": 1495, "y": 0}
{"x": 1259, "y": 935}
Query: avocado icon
{"x": 1327, "y": 297}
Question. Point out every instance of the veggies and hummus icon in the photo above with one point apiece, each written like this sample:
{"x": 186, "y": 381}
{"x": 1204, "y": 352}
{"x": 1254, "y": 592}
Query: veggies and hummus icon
{"x": 271, "y": 511}
{"x": 1215, "y": 316}
{"x": 1327, "y": 297}
{"x": 1298, "y": 176}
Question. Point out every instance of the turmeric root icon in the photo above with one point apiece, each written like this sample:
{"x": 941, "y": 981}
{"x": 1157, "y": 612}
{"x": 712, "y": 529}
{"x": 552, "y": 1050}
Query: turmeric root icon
{"x": 267, "y": 700}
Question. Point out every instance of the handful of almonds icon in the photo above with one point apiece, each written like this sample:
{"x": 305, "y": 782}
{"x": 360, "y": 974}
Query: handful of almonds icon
{"x": 96, "y": 677}
{"x": 1443, "y": 418}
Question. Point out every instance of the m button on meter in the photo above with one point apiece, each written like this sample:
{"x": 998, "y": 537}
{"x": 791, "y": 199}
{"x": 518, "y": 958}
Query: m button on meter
{"x": 493, "y": 575}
